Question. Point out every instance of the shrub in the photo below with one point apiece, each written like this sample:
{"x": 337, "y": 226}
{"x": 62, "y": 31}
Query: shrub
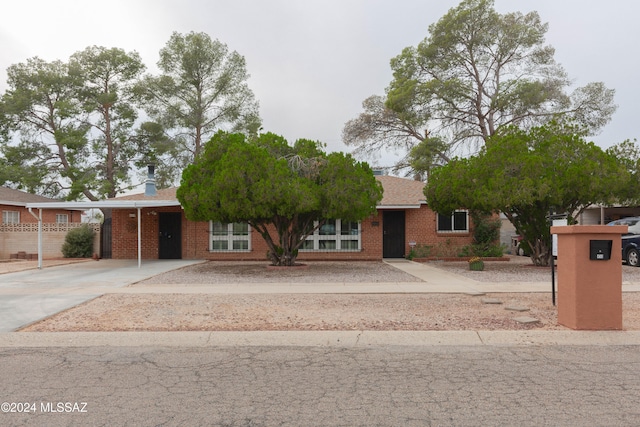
{"x": 486, "y": 234}
{"x": 78, "y": 243}
{"x": 419, "y": 251}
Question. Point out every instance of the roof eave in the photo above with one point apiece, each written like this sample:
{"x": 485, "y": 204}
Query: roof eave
{"x": 105, "y": 204}
{"x": 400, "y": 206}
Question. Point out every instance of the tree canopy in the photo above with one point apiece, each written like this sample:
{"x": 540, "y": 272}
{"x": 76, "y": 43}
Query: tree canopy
{"x": 528, "y": 174}
{"x": 72, "y": 123}
{"x": 72, "y": 128}
{"x": 202, "y": 88}
{"x": 475, "y": 72}
{"x": 283, "y": 192}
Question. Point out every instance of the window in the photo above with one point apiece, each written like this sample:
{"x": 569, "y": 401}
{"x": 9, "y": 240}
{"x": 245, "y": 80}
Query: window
{"x": 230, "y": 237}
{"x": 334, "y": 235}
{"x": 62, "y": 218}
{"x": 10, "y": 217}
{"x": 458, "y": 222}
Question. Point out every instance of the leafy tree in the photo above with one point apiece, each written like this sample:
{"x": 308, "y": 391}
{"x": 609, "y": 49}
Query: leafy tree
{"x": 68, "y": 126}
{"x": 475, "y": 72}
{"x": 43, "y": 124}
{"x": 380, "y": 127}
{"x": 277, "y": 188}
{"x": 528, "y": 174}
{"x": 628, "y": 153}
{"x": 108, "y": 76}
{"x": 202, "y": 88}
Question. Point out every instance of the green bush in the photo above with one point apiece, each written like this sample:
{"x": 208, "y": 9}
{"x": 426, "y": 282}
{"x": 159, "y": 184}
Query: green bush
{"x": 419, "y": 251}
{"x": 486, "y": 251}
{"x": 78, "y": 243}
{"x": 486, "y": 234}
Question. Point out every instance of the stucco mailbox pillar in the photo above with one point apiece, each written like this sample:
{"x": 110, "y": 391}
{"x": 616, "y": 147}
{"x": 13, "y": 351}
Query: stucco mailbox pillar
{"x": 590, "y": 276}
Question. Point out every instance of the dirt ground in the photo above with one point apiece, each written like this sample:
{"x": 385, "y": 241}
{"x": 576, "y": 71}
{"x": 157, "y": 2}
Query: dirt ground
{"x": 300, "y": 312}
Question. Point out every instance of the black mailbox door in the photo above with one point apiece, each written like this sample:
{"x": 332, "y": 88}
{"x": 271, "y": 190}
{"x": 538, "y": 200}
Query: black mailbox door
{"x": 600, "y": 250}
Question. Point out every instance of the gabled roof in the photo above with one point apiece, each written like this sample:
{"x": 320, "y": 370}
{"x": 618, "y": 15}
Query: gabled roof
{"x": 9, "y": 196}
{"x": 401, "y": 193}
{"x": 398, "y": 193}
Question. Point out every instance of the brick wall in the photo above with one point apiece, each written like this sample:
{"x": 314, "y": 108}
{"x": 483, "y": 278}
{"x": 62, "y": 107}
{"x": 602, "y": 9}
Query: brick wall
{"x": 48, "y": 215}
{"x": 420, "y": 226}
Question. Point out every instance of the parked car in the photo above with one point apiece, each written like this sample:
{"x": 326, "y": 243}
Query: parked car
{"x": 631, "y": 240}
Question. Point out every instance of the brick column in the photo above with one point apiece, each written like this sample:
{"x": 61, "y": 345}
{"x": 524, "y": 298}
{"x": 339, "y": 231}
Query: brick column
{"x": 589, "y": 290}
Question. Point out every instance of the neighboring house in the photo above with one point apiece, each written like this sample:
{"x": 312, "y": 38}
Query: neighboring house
{"x": 595, "y": 215}
{"x": 403, "y": 220}
{"x": 19, "y": 227}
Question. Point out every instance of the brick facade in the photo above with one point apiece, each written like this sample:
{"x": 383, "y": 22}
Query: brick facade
{"x": 399, "y": 195}
{"x": 420, "y": 227}
{"x": 48, "y": 215}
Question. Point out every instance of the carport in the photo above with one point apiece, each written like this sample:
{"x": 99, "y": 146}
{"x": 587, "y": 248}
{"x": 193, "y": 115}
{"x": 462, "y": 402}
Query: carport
{"x": 101, "y": 204}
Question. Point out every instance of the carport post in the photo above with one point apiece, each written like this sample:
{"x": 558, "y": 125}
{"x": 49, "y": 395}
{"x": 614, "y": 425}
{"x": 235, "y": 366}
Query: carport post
{"x": 39, "y": 218}
{"x": 139, "y": 240}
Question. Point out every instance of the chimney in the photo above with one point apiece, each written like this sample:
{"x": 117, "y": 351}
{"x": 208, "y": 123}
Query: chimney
{"x": 150, "y": 184}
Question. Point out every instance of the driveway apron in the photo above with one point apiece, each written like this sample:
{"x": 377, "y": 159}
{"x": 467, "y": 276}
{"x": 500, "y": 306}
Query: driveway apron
{"x": 30, "y": 295}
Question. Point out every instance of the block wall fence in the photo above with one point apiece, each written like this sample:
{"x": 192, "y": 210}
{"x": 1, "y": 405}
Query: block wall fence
{"x": 15, "y": 238}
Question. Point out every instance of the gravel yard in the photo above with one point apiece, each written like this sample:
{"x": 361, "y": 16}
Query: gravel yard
{"x": 213, "y": 272}
{"x": 518, "y": 269}
{"x": 206, "y": 312}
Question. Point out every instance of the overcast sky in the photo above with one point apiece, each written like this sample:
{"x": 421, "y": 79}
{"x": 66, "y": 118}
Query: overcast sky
{"x": 313, "y": 62}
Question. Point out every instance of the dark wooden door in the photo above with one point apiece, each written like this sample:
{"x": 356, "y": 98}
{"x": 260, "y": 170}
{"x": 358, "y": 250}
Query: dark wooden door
{"x": 170, "y": 230}
{"x": 105, "y": 239}
{"x": 393, "y": 243}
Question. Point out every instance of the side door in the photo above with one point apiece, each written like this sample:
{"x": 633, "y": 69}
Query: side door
{"x": 393, "y": 230}
{"x": 170, "y": 235}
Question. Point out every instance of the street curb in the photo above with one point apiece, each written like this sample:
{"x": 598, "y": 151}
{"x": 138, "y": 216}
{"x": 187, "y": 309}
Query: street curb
{"x": 318, "y": 338}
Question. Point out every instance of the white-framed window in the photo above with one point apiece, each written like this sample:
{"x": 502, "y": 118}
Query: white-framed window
{"x": 457, "y": 222}
{"x": 62, "y": 218}
{"x": 335, "y": 235}
{"x": 231, "y": 237}
{"x": 10, "y": 217}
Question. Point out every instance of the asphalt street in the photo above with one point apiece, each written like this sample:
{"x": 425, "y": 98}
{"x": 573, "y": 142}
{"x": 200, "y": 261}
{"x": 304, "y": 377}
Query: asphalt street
{"x": 321, "y": 386}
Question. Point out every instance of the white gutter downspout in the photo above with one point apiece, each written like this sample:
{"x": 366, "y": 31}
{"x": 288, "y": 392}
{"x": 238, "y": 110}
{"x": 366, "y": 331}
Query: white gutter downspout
{"x": 139, "y": 239}
{"x": 39, "y": 218}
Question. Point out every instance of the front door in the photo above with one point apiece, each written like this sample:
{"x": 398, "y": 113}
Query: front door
{"x": 393, "y": 234}
{"x": 170, "y": 228}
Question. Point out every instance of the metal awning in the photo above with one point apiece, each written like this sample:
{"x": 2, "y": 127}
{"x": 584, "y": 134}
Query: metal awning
{"x": 101, "y": 204}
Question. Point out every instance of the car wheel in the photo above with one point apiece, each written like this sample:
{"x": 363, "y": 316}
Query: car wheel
{"x": 633, "y": 257}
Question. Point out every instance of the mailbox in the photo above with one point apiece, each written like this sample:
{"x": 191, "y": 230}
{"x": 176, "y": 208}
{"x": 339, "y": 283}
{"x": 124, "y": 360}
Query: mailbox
{"x": 600, "y": 250}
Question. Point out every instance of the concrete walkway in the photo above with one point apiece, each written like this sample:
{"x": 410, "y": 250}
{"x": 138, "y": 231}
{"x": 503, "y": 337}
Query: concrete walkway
{"x": 28, "y": 296}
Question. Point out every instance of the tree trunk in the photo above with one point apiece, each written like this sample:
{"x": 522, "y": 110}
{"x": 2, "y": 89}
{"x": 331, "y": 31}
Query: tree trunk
{"x": 540, "y": 254}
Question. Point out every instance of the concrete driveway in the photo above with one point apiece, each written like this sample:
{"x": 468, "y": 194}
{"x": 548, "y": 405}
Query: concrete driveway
{"x": 31, "y": 295}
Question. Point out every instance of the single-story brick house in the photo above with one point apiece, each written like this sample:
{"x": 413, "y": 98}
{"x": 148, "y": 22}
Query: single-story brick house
{"x": 19, "y": 226}
{"x": 403, "y": 219}
{"x": 13, "y": 204}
